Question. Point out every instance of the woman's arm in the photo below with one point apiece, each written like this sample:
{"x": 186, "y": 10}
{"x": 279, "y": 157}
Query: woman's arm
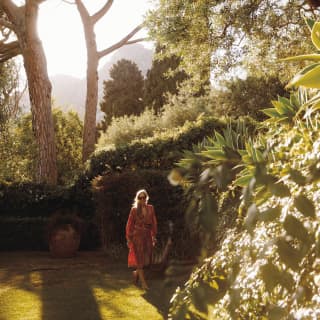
{"x": 130, "y": 225}
{"x": 154, "y": 228}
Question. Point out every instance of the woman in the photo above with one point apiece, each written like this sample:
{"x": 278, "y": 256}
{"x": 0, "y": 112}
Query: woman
{"x": 141, "y": 233}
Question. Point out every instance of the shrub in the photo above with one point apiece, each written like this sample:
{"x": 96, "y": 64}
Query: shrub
{"x": 19, "y": 150}
{"x": 160, "y": 151}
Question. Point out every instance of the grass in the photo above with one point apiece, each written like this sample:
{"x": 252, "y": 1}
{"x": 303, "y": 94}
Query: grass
{"x": 89, "y": 286}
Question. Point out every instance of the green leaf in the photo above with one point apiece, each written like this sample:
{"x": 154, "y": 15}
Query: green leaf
{"x": 289, "y": 255}
{"x": 198, "y": 298}
{"x": 286, "y": 280}
{"x": 214, "y": 154}
{"x": 317, "y": 247}
{"x": 276, "y": 313}
{"x": 270, "y": 275}
{"x": 315, "y": 35}
{"x": 312, "y": 57}
{"x": 279, "y": 189}
{"x": 220, "y": 139}
{"x": 270, "y": 214}
{"x": 294, "y": 101}
{"x": 305, "y": 206}
{"x": 215, "y": 291}
{"x": 308, "y": 77}
{"x": 310, "y": 22}
{"x": 297, "y": 177}
{"x": 295, "y": 228}
{"x": 251, "y": 217}
{"x": 262, "y": 195}
{"x": 180, "y": 313}
{"x": 271, "y": 112}
{"x": 243, "y": 181}
{"x": 285, "y": 101}
{"x": 280, "y": 107}
{"x": 208, "y": 213}
{"x": 231, "y": 154}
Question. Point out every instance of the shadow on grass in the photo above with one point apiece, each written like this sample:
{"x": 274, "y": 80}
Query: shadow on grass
{"x": 90, "y": 286}
{"x": 68, "y": 298}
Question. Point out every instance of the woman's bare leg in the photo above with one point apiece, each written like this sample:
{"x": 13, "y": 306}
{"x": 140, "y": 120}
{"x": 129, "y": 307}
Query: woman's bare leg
{"x": 135, "y": 276}
{"x": 142, "y": 279}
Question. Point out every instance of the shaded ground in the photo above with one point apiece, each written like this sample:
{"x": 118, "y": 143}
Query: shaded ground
{"x": 89, "y": 286}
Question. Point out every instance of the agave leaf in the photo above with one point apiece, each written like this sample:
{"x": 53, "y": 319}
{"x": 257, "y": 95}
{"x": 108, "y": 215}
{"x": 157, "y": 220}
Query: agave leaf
{"x": 303, "y": 57}
{"x": 284, "y": 101}
{"x": 243, "y": 180}
{"x": 285, "y": 109}
{"x": 271, "y": 112}
{"x": 289, "y": 109}
{"x": 315, "y": 35}
{"x": 308, "y": 77}
{"x": 214, "y": 154}
{"x": 315, "y": 107}
{"x": 220, "y": 138}
{"x": 294, "y": 101}
{"x": 280, "y": 107}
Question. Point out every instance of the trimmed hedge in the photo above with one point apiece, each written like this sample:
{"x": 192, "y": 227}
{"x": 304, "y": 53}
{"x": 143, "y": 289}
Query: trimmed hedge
{"x": 161, "y": 151}
{"x": 39, "y": 200}
{"x": 26, "y": 209}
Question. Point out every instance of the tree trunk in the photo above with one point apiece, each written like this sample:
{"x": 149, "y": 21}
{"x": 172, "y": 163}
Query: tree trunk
{"x": 93, "y": 56}
{"x": 40, "y": 94}
{"x": 89, "y": 127}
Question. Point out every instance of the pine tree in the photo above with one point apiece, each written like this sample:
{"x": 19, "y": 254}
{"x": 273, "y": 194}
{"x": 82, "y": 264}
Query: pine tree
{"x": 122, "y": 94}
{"x": 162, "y": 78}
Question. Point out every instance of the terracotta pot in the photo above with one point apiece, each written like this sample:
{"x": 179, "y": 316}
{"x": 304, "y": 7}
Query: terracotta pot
{"x": 64, "y": 241}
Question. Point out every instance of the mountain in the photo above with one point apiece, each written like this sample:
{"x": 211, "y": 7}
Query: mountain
{"x": 70, "y": 93}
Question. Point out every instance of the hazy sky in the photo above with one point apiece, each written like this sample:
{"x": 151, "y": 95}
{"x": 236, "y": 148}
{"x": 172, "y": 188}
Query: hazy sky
{"x": 61, "y": 31}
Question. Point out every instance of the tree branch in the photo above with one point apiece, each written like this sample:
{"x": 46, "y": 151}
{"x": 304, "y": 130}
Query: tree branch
{"x": 99, "y": 14}
{"x": 9, "y": 8}
{"x": 5, "y": 23}
{"x": 83, "y": 11}
{"x": 9, "y": 50}
{"x": 122, "y": 42}
{"x": 136, "y": 40}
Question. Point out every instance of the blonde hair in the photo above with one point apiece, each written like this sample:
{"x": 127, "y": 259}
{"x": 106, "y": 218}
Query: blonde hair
{"x": 136, "y": 200}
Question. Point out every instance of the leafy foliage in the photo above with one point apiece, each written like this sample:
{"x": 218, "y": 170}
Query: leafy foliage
{"x": 249, "y": 96}
{"x": 8, "y": 92}
{"x": 248, "y": 33}
{"x": 20, "y": 156}
{"x": 159, "y": 151}
{"x": 268, "y": 265}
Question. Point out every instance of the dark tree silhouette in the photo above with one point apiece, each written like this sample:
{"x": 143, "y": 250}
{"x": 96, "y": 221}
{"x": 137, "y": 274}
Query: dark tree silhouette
{"x": 123, "y": 92}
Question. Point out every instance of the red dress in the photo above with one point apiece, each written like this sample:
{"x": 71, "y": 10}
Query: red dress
{"x": 140, "y": 232}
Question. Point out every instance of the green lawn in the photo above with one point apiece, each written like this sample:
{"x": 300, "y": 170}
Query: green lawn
{"x": 90, "y": 286}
